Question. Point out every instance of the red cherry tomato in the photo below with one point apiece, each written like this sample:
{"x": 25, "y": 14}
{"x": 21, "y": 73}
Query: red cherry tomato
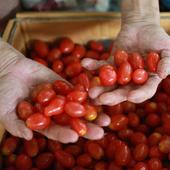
{"x": 61, "y": 87}
{"x": 107, "y": 75}
{"x": 154, "y": 138}
{"x": 92, "y": 54}
{"x": 124, "y": 73}
{"x": 140, "y": 152}
{"x": 84, "y": 160}
{"x": 9, "y": 146}
{"x": 95, "y": 150}
{"x": 55, "y": 107}
{"x": 24, "y": 110}
{"x": 73, "y": 69}
{"x": 79, "y": 126}
{"x": 54, "y": 146}
{"x": 63, "y": 119}
{"x": 41, "y": 61}
{"x": 73, "y": 149}
{"x": 70, "y": 59}
{"x": 141, "y": 166}
{"x": 38, "y": 121}
{"x": 133, "y": 119}
{"x": 91, "y": 112}
{"x": 95, "y": 81}
{"x": 23, "y": 162}
{"x": 125, "y": 134}
{"x": 154, "y": 164}
{"x": 66, "y": 45}
{"x": 54, "y": 54}
{"x": 153, "y": 120}
{"x": 122, "y": 154}
{"x": 77, "y": 96}
{"x": 66, "y": 159}
{"x": 120, "y": 56}
{"x": 57, "y": 66}
{"x": 96, "y": 45}
{"x": 154, "y": 152}
{"x": 105, "y": 56}
{"x": 79, "y": 51}
{"x": 45, "y": 95}
{"x": 74, "y": 109}
{"x": 44, "y": 160}
{"x": 152, "y": 61}
{"x": 138, "y": 138}
{"x": 139, "y": 76}
{"x": 83, "y": 79}
{"x": 41, "y": 48}
{"x": 31, "y": 147}
{"x": 128, "y": 107}
{"x": 151, "y": 107}
{"x": 118, "y": 122}
{"x": 116, "y": 109}
{"x": 136, "y": 61}
{"x": 101, "y": 166}
{"x": 164, "y": 144}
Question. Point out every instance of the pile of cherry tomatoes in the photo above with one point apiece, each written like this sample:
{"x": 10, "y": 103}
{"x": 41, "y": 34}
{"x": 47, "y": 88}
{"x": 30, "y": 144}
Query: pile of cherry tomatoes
{"x": 138, "y": 137}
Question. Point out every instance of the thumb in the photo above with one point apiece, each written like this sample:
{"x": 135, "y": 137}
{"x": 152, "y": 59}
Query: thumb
{"x": 92, "y": 64}
{"x": 164, "y": 64}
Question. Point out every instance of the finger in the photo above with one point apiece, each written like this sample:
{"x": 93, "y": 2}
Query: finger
{"x": 103, "y": 120}
{"x": 164, "y": 64}
{"x": 92, "y": 64}
{"x": 114, "y": 97}
{"x": 94, "y": 132}
{"x": 16, "y": 127}
{"x": 145, "y": 91}
{"x": 60, "y": 133}
{"x": 96, "y": 91}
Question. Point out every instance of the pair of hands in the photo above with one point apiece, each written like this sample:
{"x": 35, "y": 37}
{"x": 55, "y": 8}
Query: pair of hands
{"x": 18, "y": 75}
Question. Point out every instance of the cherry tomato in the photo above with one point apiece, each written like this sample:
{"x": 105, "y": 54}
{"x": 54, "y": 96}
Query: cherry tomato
{"x": 138, "y": 138}
{"x": 91, "y": 112}
{"x": 79, "y": 126}
{"x": 128, "y": 107}
{"x": 133, "y": 119}
{"x": 139, "y": 76}
{"x": 161, "y": 97}
{"x": 105, "y": 56}
{"x": 73, "y": 69}
{"x": 124, "y": 73}
{"x": 41, "y": 61}
{"x": 118, "y": 122}
{"x": 45, "y": 95}
{"x": 116, "y": 109}
{"x": 9, "y": 145}
{"x": 84, "y": 160}
{"x": 24, "y": 110}
{"x": 66, "y": 159}
{"x": 63, "y": 119}
{"x": 125, "y": 134}
{"x": 73, "y": 149}
{"x": 140, "y": 152}
{"x": 95, "y": 150}
{"x": 136, "y": 61}
{"x": 56, "y": 106}
{"x": 152, "y": 61}
{"x": 31, "y": 147}
{"x": 154, "y": 152}
{"x": 23, "y": 162}
{"x": 57, "y": 66}
{"x": 164, "y": 144}
{"x": 83, "y": 79}
{"x": 54, "y": 54}
{"x": 141, "y": 166}
{"x": 79, "y": 51}
{"x": 107, "y": 75}
{"x": 92, "y": 54}
{"x": 153, "y": 120}
{"x": 41, "y": 48}
{"x": 154, "y": 164}
{"x": 38, "y": 121}
{"x": 70, "y": 59}
{"x": 101, "y": 166}
{"x": 151, "y": 107}
{"x": 122, "y": 154}
{"x": 120, "y": 56}
{"x": 61, "y": 87}
{"x": 77, "y": 96}
{"x": 96, "y": 45}
{"x": 74, "y": 109}
{"x": 44, "y": 160}
{"x": 95, "y": 81}
{"x": 154, "y": 138}
{"x": 66, "y": 45}
{"x": 54, "y": 146}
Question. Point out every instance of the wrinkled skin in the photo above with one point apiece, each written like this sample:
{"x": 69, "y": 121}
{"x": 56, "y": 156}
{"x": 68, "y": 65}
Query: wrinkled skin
{"x": 18, "y": 75}
{"x": 135, "y": 35}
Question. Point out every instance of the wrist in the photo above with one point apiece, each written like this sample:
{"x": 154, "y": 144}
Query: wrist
{"x": 140, "y": 11}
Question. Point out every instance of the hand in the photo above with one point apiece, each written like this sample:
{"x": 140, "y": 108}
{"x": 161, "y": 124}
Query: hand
{"x": 17, "y": 76}
{"x": 141, "y": 36}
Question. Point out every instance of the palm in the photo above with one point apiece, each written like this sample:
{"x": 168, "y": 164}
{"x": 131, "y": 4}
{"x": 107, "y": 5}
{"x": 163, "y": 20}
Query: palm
{"x": 135, "y": 37}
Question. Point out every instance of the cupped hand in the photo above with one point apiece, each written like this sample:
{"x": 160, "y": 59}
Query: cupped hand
{"x": 18, "y": 75}
{"x": 142, "y": 37}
